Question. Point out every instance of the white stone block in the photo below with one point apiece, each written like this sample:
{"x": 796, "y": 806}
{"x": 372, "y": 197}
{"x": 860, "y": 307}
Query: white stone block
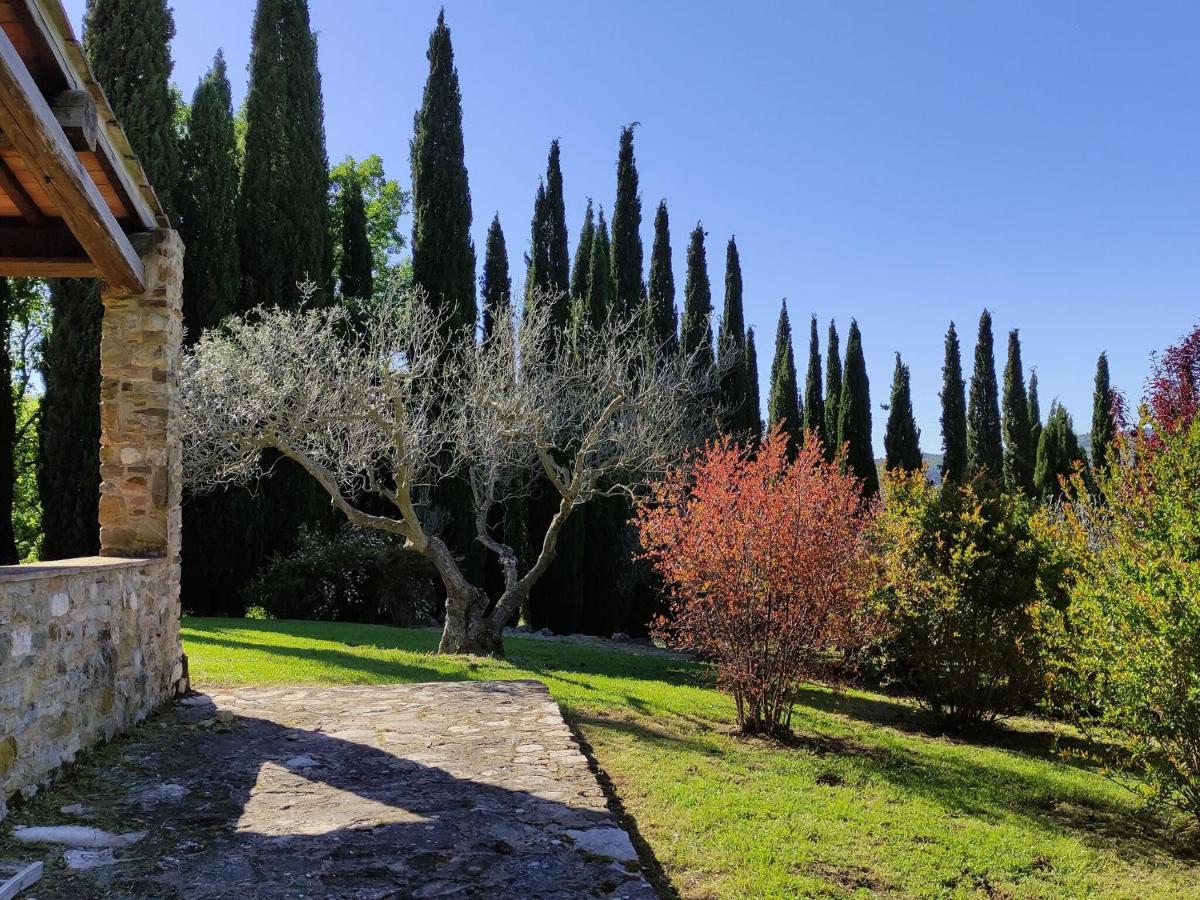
{"x": 22, "y": 641}
{"x": 59, "y": 604}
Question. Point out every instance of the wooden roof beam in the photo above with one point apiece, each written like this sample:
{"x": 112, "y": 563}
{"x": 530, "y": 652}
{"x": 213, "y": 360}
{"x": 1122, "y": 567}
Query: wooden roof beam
{"x": 38, "y": 138}
{"x": 50, "y": 252}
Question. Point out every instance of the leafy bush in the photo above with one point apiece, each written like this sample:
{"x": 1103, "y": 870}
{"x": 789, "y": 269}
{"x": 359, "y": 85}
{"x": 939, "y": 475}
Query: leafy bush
{"x": 1129, "y": 670}
{"x": 766, "y": 566}
{"x": 355, "y": 575}
{"x": 965, "y": 588}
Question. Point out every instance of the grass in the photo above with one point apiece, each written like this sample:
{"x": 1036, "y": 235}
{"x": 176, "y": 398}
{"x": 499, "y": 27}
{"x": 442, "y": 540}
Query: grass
{"x": 868, "y": 800}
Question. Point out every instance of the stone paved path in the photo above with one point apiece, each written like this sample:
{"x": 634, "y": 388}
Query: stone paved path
{"x": 472, "y": 789}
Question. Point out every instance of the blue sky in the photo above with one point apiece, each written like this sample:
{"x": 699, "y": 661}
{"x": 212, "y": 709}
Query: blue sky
{"x": 902, "y": 163}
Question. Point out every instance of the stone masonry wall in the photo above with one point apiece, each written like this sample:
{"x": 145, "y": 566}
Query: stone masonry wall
{"x": 88, "y": 647}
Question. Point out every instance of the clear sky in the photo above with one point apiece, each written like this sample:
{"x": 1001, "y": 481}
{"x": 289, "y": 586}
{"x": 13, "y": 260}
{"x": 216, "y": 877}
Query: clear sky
{"x": 902, "y": 163}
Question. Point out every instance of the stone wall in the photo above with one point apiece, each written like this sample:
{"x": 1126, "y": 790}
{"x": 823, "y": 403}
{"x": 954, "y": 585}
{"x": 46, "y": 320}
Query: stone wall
{"x": 88, "y": 647}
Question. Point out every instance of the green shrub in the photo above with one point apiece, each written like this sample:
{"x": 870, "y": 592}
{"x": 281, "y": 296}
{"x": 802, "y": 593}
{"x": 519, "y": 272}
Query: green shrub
{"x": 1129, "y": 665}
{"x": 354, "y": 575}
{"x": 964, "y": 590}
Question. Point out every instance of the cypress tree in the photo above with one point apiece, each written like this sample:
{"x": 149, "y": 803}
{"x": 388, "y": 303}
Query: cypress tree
{"x": 854, "y": 415}
{"x": 902, "y": 440}
{"x": 954, "y": 411}
{"x": 984, "y": 441}
{"x": 663, "y": 317}
{"x": 783, "y": 402}
{"x": 443, "y": 256}
{"x": 1104, "y": 424}
{"x": 548, "y": 267}
{"x": 9, "y": 402}
{"x": 755, "y": 395}
{"x": 737, "y": 416}
{"x": 495, "y": 285}
{"x": 355, "y": 276}
{"x": 628, "y": 288}
{"x": 1035, "y": 413}
{"x": 127, "y": 44}
{"x": 833, "y": 388}
{"x": 208, "y": 204}
{"x": 283, "y": 209}
{"x": 218, "y": 553}
{"x": 583, "y": 256}
{"x": 599, "y": 303}
{"x": 1019, "y": 452}
{"x": 695, "y": 332}
{"x": 814, "y": 401}
{"x": 1058, "y": 452}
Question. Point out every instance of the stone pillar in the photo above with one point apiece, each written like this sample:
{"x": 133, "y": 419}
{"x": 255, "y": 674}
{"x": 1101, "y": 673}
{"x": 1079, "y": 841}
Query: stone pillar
{"x": 140, "y": 459}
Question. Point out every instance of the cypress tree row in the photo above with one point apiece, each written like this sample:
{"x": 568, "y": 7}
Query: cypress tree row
{"x": 954, "y": 411}
{"x": 755, "y": 395}
{"x": 495, "y": 285}
{"x": 628, "y": 289}
{"x": 583, "y": 256}
{"x": 984, "y": 441}
{"x": 355, "y": 276}
{"x": 814, "y": 401}
{"x": 218, "y": 555}
{"x": 208, "y": 198}
{"x": 902, "y": 440}
{"x": 283, "y": 208}
{"x": 1019, "y": 452}
{"x": 737, "y": 418}
{"x": 127, "y": 44}
{"x": 833, "y": 388}
{"x": 1058, "y": 452}
{"x": 598, "y": 305}
{"x": 854, "y": 415}
{"x": 1104, "y": 423}
{"x": 783, "y": 402}
{"x": 662, "y": 314}
{"x": 695, "y": 331}
{"x": 1035, "y": 414}
{"x": 443, "y": 255}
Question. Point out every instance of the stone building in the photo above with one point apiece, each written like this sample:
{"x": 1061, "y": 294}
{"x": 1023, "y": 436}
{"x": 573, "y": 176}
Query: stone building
{"x": 90, "y": 646}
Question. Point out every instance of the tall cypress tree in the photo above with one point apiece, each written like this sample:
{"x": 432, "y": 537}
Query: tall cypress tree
{"x": 833, "y": 388}
{"x": 1058, "y": 452}
{"x": 695, "y": 331}
{"x": 583, "y": 256}
{"x": 984, "y": 437}
{"x": 954, "y": 411}
{"x": 495, "y": 285}
{"x": 628, "y": 288}
{"x": 127, "y": 44}
{"x": 355, "y": 275}
{"x": 814, "y": 400}
{"x": 1035, "y": 413}
{"x": 755, "y": 395}
{"x": 1104, "y": 424}
{"x": 902, "y": 440}
{"x": 208, "y": 204}
{"x": 662, "y": 315}
{"x": 854, "y": 415}
{"x": 218, "y": 555}
{"x": 1019, "y": 452}
{"x": 737, "y": 417}
{"x": 443, "y": 255}
{"x": 548, "y": 266}
{"x": 283, "y": 216}
{"x": 598, "y": 305}
{"x": 783, "y": 402}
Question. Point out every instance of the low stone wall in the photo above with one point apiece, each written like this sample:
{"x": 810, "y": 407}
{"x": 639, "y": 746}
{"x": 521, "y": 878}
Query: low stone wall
{"x": 87, "y": 648}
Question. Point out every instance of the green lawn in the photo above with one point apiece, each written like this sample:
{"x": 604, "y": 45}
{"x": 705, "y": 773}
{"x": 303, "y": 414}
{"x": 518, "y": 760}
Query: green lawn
{"x": 868, "y": 800}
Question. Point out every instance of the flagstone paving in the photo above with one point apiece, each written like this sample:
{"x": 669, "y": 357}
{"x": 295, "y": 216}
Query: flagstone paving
{"x": 465, "y": 789}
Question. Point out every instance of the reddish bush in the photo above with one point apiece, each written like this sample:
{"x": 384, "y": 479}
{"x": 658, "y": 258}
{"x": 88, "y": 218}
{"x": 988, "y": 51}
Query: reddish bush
{"x": 1174, "y": 391}
{"x": 767, "y": 568}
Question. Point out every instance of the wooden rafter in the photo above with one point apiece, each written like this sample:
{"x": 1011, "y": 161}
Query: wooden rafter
{"x": 31, "y": 125}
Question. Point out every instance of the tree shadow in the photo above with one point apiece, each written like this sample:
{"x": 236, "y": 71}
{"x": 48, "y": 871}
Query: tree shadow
{"x": 242, "y": 806}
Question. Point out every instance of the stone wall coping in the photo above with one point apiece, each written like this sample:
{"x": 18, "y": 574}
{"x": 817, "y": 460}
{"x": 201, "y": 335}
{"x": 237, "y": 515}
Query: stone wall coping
{"x": 78, "y": 566}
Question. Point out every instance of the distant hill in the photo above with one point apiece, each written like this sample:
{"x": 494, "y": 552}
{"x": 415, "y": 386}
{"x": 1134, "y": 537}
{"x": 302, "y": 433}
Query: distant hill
{"x": 933, "y": 461}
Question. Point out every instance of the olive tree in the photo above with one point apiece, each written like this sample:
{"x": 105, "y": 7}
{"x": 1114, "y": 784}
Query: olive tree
{"x": 393, "y": 405}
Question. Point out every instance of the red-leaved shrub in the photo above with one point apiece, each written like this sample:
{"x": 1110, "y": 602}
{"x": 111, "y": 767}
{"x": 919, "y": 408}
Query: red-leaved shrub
{"x": 767, "y": 568}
